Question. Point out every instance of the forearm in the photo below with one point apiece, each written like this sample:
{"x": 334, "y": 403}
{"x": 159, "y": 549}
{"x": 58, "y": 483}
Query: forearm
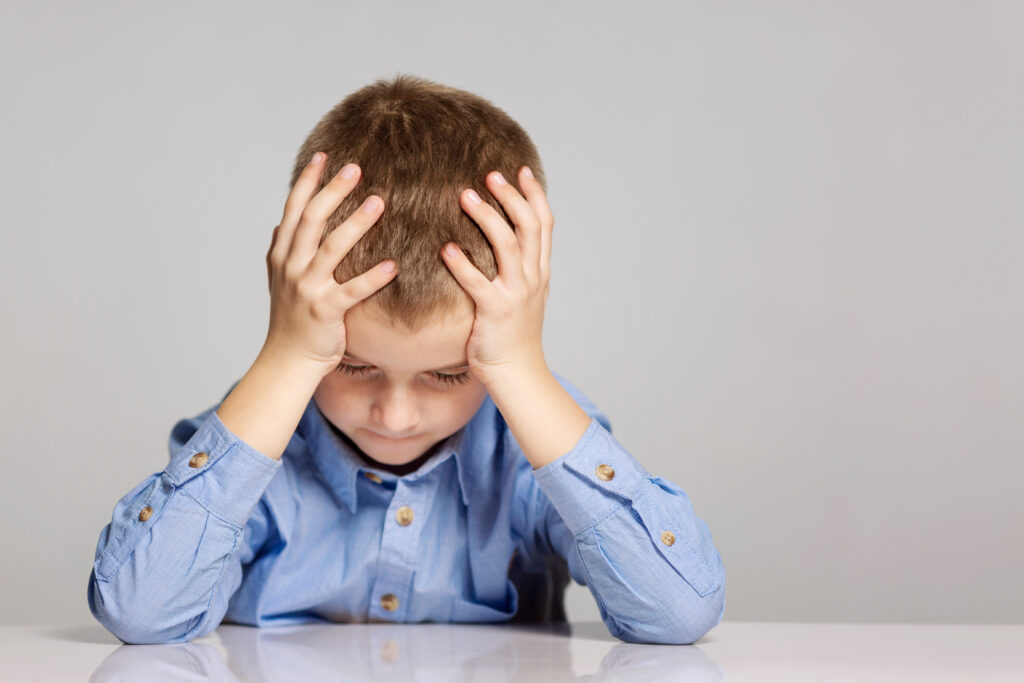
{"x": 266, "y": 405}
{"x": 635, "y": 541}
{"x": 545, "y": 420}
{"x": 177, "y": 576}
{"x": 170, "y": 559}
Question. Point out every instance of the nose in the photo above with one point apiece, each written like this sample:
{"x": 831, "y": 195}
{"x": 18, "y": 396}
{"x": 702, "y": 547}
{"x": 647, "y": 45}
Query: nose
{"x": 395, "y": 411}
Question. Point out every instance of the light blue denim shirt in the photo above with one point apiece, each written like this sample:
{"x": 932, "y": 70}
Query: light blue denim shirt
{"x": 225, "y": 533}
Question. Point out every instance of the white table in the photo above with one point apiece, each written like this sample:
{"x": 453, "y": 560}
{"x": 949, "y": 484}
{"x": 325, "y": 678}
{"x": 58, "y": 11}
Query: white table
{"x": 734, "y": 651}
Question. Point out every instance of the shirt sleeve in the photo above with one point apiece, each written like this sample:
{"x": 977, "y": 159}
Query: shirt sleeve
{"x": 632, "y": 538}
{"x": 171, "y": 557}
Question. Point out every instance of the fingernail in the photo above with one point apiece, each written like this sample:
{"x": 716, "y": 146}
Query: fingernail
{"x": 474, "y": 197}
{"x": 349, "y": 171}
{"x": 388, "y": 266}
{"x": 500, "y": 179}
{"x": 371, "y": 204}
{"x": 317, "y": 158}
{"x": 452, "y": 250}
{"x": 527, "y": 172}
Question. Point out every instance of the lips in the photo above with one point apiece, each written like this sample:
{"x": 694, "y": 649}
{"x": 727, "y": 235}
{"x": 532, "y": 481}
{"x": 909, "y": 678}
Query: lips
{"x": 392, "y": 438}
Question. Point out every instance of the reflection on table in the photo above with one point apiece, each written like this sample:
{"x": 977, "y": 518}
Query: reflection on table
{"x": 406, "y": 652}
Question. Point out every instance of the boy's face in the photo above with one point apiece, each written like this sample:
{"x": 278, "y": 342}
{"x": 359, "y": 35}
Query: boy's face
{"x": 407, "y": 384}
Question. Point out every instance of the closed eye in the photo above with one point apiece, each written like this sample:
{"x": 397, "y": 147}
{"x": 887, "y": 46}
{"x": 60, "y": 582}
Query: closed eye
{"x": 442, "y": 378}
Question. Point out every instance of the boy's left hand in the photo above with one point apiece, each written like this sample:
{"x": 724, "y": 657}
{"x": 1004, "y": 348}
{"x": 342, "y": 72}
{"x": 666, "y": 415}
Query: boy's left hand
{"x": 509, "y": 318}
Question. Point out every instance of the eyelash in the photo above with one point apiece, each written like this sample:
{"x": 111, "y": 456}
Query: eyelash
{"x": 446, "y": 380}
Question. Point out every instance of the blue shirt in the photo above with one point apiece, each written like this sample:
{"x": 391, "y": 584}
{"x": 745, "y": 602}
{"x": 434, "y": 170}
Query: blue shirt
{"x": 225, "y": 533}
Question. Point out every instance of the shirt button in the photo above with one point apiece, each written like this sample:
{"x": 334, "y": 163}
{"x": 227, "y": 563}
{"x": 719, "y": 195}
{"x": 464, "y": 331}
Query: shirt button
{"x": 668, "y": 538}
{"x": 145, "y": 513}
{"x": 198, "y": 460}
{"x": 389, "y": 602}
{"x": 372, "y": 477}
{"x": 605, "y": 472}
{"x": 404, "y": 515}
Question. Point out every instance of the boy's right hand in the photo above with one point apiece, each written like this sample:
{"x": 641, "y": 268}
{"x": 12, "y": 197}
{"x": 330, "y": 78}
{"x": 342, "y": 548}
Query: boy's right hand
{"x": 307, "y": 305}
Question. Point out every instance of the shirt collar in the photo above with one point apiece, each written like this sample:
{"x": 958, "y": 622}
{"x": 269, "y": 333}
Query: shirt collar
{"x": 341, "y": 466}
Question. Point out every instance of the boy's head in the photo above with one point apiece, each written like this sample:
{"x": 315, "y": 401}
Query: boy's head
{"x": 419, "y": 144}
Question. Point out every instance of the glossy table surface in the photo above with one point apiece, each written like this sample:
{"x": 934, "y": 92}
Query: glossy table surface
{"x": 733, "y": 651}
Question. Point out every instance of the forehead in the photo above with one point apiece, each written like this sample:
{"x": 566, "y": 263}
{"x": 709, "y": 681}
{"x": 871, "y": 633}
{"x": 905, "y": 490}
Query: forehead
{"x": 374, "y": 338}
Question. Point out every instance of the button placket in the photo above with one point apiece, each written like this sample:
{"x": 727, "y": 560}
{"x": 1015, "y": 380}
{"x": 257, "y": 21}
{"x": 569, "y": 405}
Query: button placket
{"x": 398, "y": 549}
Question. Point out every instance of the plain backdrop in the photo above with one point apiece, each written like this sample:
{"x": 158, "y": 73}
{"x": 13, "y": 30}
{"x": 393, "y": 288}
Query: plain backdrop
{"x": 787, "y": 263}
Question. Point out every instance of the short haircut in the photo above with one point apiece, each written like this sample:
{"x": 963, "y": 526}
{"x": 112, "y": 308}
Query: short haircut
{"x": 419, "y": 145}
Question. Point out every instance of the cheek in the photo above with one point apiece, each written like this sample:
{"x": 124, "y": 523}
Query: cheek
{"x": 468, "y": 401}
{"x": 340, "y": 397}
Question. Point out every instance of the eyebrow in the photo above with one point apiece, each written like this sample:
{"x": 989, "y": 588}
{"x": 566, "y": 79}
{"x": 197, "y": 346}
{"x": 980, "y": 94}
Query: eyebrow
{"x": 451, "y": 367}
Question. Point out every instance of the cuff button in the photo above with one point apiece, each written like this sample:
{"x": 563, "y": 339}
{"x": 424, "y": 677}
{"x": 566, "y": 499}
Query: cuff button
{"x": 389, "y": 602}
{"x": 668, "y": 538}
{"x": 605, "y": 472}
{"x": 198, "y": 460}
{"x": 145, "y": 513}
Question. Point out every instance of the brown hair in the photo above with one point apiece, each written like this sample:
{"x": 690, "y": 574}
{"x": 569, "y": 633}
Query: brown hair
{"x": 419, "y": 144}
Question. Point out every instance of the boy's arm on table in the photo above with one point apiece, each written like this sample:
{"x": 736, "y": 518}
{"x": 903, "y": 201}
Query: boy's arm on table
{"x": 632, "y": 538}
{"x": 171, "y": 557}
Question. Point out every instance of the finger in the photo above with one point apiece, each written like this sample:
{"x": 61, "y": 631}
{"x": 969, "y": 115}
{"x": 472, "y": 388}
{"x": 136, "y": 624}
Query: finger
{"x": 524, "y": 218}
{"x": 347, "y": 295}
{"x": 537, "y": 198}
{"x": 466, "y": 274}
{"x": 317, "y": 211}
{"x": 337, "y": 245}
{"x": 303, "y": 189}
{"x": 498, "y": 233}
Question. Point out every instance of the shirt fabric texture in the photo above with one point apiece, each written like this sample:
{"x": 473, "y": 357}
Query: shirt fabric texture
{"x": 316, "y": 536}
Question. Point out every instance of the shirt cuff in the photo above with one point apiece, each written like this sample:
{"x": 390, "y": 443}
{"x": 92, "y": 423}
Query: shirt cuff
{"x": 592, "y": 480}
{"x": 223, "y": 473}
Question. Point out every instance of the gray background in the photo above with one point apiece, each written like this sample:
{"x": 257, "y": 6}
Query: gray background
{"x": 787, "y": 263}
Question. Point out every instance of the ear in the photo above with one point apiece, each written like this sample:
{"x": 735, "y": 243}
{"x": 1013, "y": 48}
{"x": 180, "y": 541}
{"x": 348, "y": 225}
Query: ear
{"x": 273, "y": 239}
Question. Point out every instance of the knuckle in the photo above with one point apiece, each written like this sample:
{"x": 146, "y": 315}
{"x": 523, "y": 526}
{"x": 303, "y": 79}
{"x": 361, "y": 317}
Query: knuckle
{"x": 304, "y": 289}
{"x": 293, "y": 274}
{"x": 509, "y": 241}
{"x": 328, "y": 246}
{"x": 319, "y": 310}
{"x": 312, "y": 214}
{"x": 291, "y": 204}
{"x": 275, "y": 260}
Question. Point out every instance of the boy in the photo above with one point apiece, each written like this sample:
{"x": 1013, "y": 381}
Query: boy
{"x": 399, "y": 450}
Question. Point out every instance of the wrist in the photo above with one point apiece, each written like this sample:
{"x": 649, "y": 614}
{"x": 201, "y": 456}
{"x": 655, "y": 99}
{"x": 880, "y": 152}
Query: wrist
{"x": 266, "y": 405}
{"x": 283, "y": 362}
{"x": 530, "y": 364}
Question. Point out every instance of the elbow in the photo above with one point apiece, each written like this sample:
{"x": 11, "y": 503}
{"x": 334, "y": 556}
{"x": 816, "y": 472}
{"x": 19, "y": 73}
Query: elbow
{"x": 678, "y": 622}
{"x": 138, "y": 623}
{"x": 669, "y": 630}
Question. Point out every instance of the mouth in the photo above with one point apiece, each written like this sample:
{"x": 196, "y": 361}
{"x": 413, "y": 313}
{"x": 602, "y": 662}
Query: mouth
{"x": 392, "y": 438}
